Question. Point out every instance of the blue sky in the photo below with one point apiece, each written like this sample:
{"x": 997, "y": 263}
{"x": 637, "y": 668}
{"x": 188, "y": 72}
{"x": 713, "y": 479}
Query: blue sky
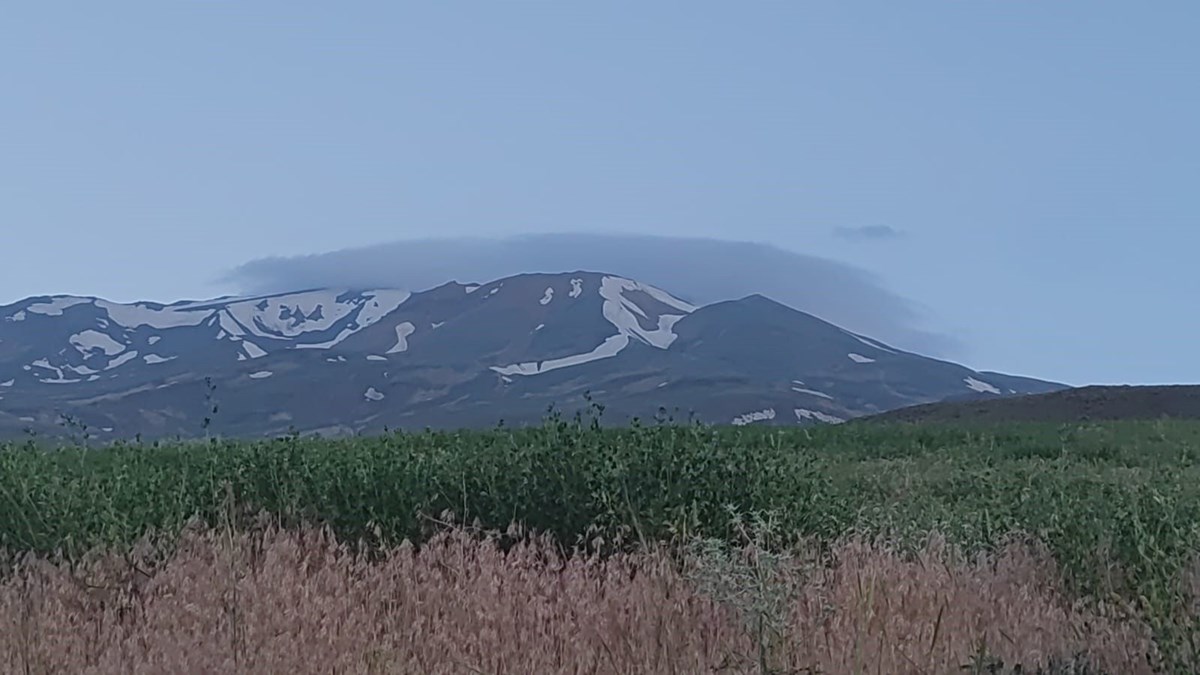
{"x": 1040, "y": 161}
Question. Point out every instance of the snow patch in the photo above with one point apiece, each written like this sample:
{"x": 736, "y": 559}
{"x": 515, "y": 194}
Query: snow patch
{"x": 576, "y": 288}
{"x": 372, "y": 394}
{"x": 539, "y": 327}
{"x": 869, "y": 343}
{"x": 403, "y": 330}
{"x": 59, "y": 376}
{"x": 437, "y": 324}
{"x": 275, "y": 316}
{"x": 155, "y": 316}
{"x": 252, "y": 350}
{"x": 260, "y": 375}
{"x": 547, "y": 296}
{"x": 8, "y": 383}
{"x": 666, "y": 298}
{"x": 284, "y": 316}
{"x": 155, "y": 358}
{"x": 290, "y": 315}
{"x": 859, "y": 358}
{"x": 620, "y": 312}
{"x": 43, "y": 363}
{"x": 121, "y": 360}
{"x": 378, "y": 305}
{"x": 757, "y": 416}
{"x": 56, "y": 306}
{"x": 229, "y": 324}
{"x": 814, "y": 392}
{"x": 981, "y": 387}
{"x": 610, "y": 347}
{"x": 472, "y": 288}
{"x": 345, "y": 333}
{"x": 803, "y": 414}
{"x": 376, "y": 357}
{"x": 89, "y": 340}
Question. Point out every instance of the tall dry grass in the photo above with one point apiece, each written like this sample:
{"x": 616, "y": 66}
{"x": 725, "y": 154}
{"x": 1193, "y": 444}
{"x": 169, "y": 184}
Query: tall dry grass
{"x": 297, "y": 601}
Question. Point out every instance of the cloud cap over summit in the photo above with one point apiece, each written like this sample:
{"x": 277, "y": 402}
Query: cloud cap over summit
{"x": 700, "y": 270}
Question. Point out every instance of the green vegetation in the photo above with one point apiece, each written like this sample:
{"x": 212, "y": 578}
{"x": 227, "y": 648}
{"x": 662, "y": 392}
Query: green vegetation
{"x": 1117, "y": 504}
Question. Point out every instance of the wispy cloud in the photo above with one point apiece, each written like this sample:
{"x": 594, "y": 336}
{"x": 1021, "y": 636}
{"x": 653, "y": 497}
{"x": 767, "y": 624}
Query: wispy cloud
{"x": 697, "y": 269}
{"x": 868, "y": 232}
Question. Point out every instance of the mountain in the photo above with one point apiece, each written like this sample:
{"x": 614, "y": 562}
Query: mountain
{"x": 348, "y": 361}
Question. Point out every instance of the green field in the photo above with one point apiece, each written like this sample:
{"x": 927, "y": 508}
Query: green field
{"x": 1132, "y": 489}
{"x": 1118, "y": 504}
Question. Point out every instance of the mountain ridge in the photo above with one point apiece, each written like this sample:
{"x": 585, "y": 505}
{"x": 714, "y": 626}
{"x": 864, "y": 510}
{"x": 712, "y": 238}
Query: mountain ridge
{"x": 458, "y": 354}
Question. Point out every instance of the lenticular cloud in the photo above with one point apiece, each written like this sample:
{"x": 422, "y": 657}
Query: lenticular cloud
{"x": 698, "y": 270}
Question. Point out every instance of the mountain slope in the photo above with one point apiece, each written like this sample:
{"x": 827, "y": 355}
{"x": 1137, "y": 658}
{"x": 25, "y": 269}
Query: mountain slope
{"x": 1084, "y": 404}
{"x": 341, "y": 361}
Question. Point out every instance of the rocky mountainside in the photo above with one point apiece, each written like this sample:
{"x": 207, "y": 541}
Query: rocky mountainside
{"x": 348, "y": 361}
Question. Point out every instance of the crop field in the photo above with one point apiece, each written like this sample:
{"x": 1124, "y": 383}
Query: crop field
{"x": 572, "y": 548}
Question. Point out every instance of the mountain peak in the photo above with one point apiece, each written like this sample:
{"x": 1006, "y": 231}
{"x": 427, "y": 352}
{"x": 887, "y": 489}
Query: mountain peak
{"x": 454, "y": 355}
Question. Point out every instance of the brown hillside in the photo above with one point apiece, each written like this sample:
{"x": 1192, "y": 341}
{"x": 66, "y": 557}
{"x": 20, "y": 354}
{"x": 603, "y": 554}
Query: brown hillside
{"x": 1085, "y": 404}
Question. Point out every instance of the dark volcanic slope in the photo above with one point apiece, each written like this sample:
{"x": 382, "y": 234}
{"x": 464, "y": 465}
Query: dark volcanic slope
{"x": 339, "y": 361}
{"x": 1085, "y": 404}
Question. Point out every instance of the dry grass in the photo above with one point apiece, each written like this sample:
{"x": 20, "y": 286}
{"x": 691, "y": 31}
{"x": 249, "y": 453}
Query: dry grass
{"x": 300, "y": 602}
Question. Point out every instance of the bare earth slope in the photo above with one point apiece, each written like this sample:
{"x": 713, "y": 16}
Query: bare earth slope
{"x": 1085, "y": 404}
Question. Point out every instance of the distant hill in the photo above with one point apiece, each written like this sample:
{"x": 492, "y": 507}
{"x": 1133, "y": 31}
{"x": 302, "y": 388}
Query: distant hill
{"x": 339, "y": 361}
{"x": 1083, "y": 404}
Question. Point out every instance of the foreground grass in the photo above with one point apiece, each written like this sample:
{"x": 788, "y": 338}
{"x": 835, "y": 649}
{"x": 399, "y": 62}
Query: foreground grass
{"x": 1116, "y": 505}
{"x": 297, "y": 601}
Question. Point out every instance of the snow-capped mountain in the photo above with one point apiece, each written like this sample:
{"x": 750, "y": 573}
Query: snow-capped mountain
{"x": 455, "y": 355}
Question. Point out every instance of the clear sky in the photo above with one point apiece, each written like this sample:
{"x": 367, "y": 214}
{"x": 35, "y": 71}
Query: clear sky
{"x": 1026, "y": 172}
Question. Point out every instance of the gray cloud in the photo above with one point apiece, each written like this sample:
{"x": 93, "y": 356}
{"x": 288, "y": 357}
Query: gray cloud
{"x": 696, "y": 269}
{"x": 868, "y": 232}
